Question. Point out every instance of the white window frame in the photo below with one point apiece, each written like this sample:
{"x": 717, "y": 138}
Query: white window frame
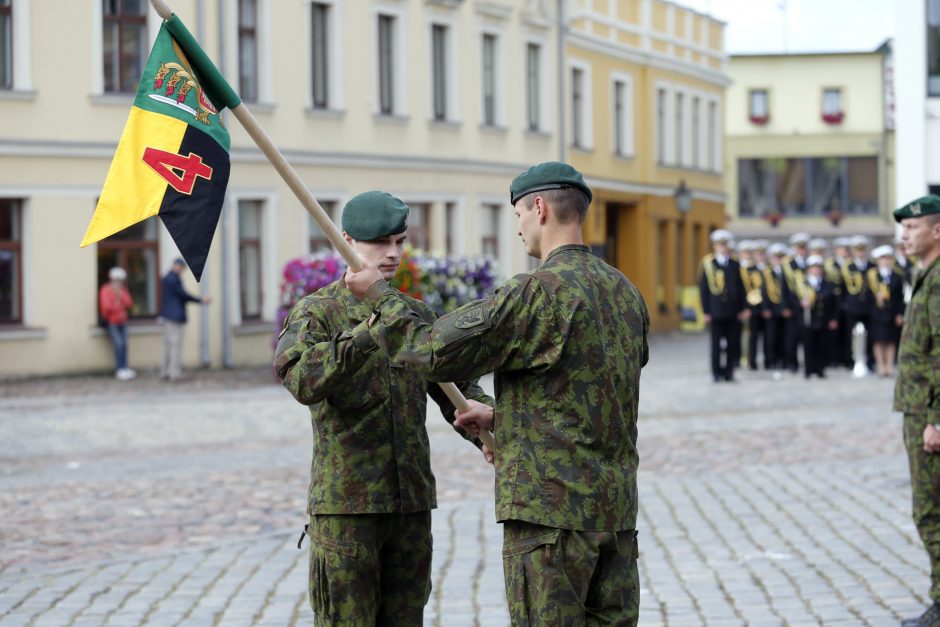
{"x": 453, "y": 220}
{"x": 840, "y": 101}
{"x": 542, "y": 96}
{"x": 269, "y": 274}
{"x": 751, "y": 111}
{"x": 717, "y": 150}
{"x": 334, "y": 98}
{"x": 696, "y": 125}
{"x": 586, "y": 123}
{"x": 22, "y": 66}
{"x": 627, "y": 130}
{"x": 451, "y": 51}
{"x": 665, "y": 133}
{"x": 154, "y": 22}
{"x": 499, "y": 75}
{"x": 399, "y": 76}
{"x": 681, "y": 130}
{"x": 338, "y": 199}
{"x": 504, "y": 225}
{"x": 263, "y": 30}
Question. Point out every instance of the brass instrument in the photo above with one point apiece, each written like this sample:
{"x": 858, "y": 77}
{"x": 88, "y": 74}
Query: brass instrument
{"x": 752, "y": 283}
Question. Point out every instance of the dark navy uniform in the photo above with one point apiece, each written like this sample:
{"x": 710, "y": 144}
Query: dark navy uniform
{"x": 723, "y": 298}
{"x": 819, "y": 311}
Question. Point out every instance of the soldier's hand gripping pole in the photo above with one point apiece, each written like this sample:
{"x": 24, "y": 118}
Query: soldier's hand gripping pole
{"x": 310, "y": 203}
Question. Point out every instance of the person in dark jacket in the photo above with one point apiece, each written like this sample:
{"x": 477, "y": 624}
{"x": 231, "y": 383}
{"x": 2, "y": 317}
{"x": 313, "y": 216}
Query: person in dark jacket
{"x": 724, "y": 304}
{"x": 779, "y": 307}
{"x": 819, "y": 311}
{"x": 173, "y": 312}
{"x": 887, "y": 308}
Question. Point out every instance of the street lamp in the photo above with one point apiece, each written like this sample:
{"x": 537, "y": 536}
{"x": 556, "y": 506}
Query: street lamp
{"x": 683, "y": 198}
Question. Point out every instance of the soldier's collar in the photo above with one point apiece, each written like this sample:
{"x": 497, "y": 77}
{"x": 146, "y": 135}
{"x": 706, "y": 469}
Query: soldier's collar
{"x": 566, "y": 247}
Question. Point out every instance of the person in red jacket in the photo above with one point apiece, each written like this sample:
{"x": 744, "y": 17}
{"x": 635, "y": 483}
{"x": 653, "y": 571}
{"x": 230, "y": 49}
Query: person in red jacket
{"x": 114, "y": 301}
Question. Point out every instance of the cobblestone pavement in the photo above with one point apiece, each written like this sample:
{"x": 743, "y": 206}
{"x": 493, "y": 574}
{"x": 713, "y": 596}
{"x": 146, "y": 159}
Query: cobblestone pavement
{"x": 762, "y": 503}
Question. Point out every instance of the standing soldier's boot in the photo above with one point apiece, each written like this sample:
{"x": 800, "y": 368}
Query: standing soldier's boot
{"x": 930, "y": 618}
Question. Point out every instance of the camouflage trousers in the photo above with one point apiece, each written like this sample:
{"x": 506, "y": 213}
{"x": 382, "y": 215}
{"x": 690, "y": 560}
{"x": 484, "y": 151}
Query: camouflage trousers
{"x": 571, "y": 578}
{"x": 370, "y": 569}
{"x": 925, "y": 490}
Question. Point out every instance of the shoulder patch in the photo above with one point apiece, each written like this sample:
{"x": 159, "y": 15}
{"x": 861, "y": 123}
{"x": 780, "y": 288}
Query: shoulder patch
{"x": 470, "y": 318}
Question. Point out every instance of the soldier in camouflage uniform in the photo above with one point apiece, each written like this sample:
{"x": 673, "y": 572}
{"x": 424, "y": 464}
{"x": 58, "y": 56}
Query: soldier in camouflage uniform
{"x": 917, "y": 390}
{"x": 566, "y": 342}
{"x": 371, "y": 487}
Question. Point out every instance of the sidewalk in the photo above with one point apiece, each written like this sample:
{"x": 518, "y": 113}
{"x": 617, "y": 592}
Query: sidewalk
{"x": 762, "y": 503}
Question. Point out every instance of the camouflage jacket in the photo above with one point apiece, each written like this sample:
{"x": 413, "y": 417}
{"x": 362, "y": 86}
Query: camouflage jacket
{"x": 567, "y": 342}
{"x": 370, "y": 443}
{"x": 917, "y": 389}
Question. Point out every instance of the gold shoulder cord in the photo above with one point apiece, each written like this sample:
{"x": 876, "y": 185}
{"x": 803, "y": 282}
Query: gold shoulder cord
{"x": 806, "y": 292}
{"x": 879, "y": 288}
{"x": 715, "y": 277}
{"x": 832, "y": 273}
{"x": 774, "y": 289}
{"x": 794, "y": 277}
{"x": 853, "y": 280}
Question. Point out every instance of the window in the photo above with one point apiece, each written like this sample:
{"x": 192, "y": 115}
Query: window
{"x": 249, "y": 258}
{"x": 696, "y": 132}
{"x": 661, "y": 125}
{"x": 712, "y": 148}
{"x": 680, "y": 129}
{"x": 933, "y": 47}
{"x": 450, "y": 217}
{"x": 808, "y": 186}
{"x": 318, "y": 240}
{"x": 11, "y": 261}
{"x": 832, "y": 106}
{"x": 577, "y": 107}
{"x": 386, "y": 64}
{"x": 248, "y": 50}
{"x": 6, "y": 46}
{"x": 489, "y": 79}
{"x": 136, "y": 250}
{"x": 758, "y": 106}
{"x": 320, "y": 45}
{"x": 623, "y": 118}
{"x": 125, "y": 44}
{"x": 489, "y": 230}
{"x": 439, "y": 71}
{"x": 533, "y": 86}
{"x": 419, "y": 223}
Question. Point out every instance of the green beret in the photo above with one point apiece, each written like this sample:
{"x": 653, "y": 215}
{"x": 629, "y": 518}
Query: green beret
{"x": 545, "y": 176}
{"x": 372, "y": 215}
{"x": 917, "y": 208}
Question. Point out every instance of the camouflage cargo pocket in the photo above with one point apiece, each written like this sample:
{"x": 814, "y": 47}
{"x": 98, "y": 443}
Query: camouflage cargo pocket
{"x": 530, "y": 554}
{"x": 331, "y": 562}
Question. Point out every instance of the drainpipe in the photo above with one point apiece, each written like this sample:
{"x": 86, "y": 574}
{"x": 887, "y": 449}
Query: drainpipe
{"x": 226, "y": 270}
{"x": 562, "y": 148}
{"x": 205, "y": 358}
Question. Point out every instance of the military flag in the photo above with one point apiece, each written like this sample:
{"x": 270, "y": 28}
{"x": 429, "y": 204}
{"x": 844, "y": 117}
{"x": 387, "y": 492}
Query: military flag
{"x": 172, "y": 160}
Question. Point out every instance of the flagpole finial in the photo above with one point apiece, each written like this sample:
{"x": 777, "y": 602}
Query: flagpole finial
{"x": 162, "y": 9}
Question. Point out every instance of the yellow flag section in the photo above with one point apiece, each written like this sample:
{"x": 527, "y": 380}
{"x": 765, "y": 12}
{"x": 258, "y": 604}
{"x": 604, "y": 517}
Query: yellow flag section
{"x": 134, "y": 190}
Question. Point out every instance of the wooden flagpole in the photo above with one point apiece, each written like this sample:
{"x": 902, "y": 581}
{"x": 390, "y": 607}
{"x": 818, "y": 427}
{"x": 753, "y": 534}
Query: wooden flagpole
{"x": 310, "y": 203}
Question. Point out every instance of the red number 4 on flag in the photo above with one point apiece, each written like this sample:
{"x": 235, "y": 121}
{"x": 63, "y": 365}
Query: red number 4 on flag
{"x": 169, "y": 165}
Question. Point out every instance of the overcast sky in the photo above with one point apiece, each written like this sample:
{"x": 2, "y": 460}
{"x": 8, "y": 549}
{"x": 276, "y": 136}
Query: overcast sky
{"x": 804, "y": 25}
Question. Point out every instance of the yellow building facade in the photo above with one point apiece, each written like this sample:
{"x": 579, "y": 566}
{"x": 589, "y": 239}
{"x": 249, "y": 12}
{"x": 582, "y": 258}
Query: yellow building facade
{"x": 645, "y": 104}
{"x": 810, "y": 144}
